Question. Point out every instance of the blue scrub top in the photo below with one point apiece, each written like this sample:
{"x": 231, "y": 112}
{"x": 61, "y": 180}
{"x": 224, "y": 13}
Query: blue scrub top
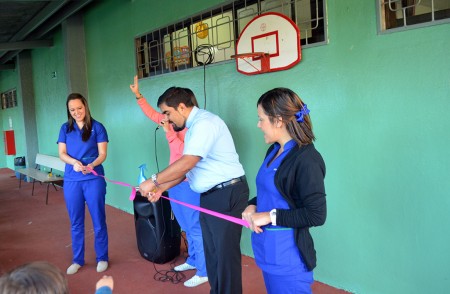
{"x": 275, "y": 248}
{"x": 85, "y": 152}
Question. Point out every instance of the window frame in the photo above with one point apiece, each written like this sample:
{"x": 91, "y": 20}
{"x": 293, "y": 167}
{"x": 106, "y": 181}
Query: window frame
{"x": 8, "y": 99}
{"x": 143, "y": 52}
{"x": 381, "y": 19}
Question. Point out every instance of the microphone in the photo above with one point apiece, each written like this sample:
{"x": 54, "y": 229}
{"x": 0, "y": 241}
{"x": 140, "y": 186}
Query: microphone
{"x": 159, "y": 126}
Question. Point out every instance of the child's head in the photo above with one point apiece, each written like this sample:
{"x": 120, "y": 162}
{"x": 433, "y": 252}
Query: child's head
{"x": 34, "y": 278}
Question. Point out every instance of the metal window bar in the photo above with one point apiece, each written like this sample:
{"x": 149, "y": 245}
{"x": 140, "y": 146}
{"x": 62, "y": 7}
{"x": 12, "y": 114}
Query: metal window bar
{"x": 426, "y": 13}
{"x": 8, "y": 99}
{"x": 404, "y": 8}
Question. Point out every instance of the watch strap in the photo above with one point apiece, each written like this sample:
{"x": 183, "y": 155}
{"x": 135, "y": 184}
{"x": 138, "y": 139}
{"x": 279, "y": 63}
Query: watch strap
{"x": 154, "y": 180}
{"x": 273, "y": 217}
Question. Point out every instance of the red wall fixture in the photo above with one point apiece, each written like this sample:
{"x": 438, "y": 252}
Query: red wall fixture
{"x": 10, "y": 144}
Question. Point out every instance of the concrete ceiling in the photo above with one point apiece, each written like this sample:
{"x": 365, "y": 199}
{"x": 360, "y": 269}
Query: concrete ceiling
{"x": 28, "y": 24}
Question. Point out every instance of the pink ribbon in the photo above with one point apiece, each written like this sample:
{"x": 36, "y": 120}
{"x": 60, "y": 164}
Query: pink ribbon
{"x": 133, "y": 189}
{"x": 204, "y": 210}
{"x": 213, "y": 213}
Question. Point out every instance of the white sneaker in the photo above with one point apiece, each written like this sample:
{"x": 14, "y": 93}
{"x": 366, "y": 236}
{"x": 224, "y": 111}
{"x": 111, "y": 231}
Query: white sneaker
{"x": 73, "y": 268}
{"x": 183, "y": 267}
{"x": 195, "y": 281}
{"x": 102, "y": 266}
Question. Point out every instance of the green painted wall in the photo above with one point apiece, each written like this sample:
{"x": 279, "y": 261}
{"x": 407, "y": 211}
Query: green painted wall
{"x": 380, "y": 110}
{"x": 50, "y": 99}
{"x": 50, "y": 93}
{"x": 8, "y": 81}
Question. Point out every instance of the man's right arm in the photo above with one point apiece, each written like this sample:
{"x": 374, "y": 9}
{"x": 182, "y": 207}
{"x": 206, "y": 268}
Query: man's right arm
{"x": 178, "y": 169}
{"x": 172, "y": 175}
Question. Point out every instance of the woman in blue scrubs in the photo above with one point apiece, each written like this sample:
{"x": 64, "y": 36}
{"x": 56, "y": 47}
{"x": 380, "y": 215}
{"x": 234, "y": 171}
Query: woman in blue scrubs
{"x": 290, "y": 194}
{"x": 82, "y": 145}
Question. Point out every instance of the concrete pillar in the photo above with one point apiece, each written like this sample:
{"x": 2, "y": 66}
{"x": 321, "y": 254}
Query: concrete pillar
{"x": 25, "y": 70}
{"x": 75, "y": 54}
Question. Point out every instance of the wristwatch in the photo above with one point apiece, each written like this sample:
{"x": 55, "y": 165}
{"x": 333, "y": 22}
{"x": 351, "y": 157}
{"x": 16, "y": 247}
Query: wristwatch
{"x": 154, "y": 177}
{"x": 273, "y": 217}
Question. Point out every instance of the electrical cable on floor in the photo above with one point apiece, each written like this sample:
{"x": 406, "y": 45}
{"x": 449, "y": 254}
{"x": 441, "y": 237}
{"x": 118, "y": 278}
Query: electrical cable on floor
{"x": 168, "y": 276}
{"x": 165, "y": 275}
{"x": 171, "y": 275}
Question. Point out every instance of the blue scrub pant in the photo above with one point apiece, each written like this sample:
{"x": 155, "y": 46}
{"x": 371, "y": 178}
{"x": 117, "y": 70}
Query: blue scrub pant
{"x": 288, "y": 283}
{"x": 189, "y": 220}
{"x": 91, "y": 192}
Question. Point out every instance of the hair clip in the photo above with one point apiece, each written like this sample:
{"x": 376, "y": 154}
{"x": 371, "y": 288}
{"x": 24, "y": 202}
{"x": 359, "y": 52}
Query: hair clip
{"x": 302, "y": 112}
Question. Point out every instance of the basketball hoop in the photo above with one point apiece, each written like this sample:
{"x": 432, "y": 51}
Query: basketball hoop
{"x": 264, "y": 57}
{"x": 269, "y": 42}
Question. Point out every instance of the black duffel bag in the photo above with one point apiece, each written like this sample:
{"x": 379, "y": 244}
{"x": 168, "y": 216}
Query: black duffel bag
{"x": 19, "y": 161}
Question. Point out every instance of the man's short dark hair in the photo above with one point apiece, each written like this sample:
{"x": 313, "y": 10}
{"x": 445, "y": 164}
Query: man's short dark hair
{"x": 173, "y": 96}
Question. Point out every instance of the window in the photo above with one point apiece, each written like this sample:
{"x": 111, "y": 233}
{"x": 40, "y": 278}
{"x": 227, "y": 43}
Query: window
{"x": 210, "y": 37}
{"x": 9, "y": 99}
{"x": 397, "y": 15}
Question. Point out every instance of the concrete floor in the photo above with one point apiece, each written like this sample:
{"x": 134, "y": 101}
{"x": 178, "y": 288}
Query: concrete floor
{"x": 31, "y": 231}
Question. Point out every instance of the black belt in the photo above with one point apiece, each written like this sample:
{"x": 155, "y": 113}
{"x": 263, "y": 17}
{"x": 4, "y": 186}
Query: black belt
{"x": 225, "y": 184}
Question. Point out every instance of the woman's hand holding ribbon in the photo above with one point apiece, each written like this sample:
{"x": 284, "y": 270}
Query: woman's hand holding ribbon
{"x": 87, "y": 169}
{"x": 248, "y": 215}
{"x": 260, "y": 219}
{"x": 77, "y": 166}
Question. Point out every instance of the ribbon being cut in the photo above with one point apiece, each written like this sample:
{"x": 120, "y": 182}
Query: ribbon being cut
{"x": 207, "y": 211}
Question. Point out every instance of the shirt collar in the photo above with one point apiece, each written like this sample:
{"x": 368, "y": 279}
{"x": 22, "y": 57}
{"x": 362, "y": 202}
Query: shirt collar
{"x": 288, "y": 146}
{"x": 191, "y": 116}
